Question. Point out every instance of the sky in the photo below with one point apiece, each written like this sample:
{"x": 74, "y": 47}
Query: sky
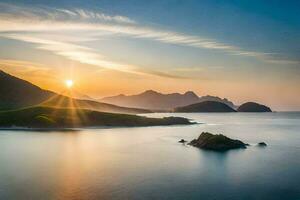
{"x": 241, "y": 50}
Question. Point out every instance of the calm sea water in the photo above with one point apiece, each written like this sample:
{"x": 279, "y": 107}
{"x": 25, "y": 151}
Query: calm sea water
{"x": 149, "y": 163}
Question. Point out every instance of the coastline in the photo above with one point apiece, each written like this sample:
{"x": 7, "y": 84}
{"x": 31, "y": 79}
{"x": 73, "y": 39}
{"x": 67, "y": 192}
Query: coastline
{"x": 66, "y": 129}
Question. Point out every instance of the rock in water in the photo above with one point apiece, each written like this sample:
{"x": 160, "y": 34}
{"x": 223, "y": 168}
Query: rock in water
{"x": 216, "y": 142}
{"x": 262, "y": 144}
{"x": 182, "y": 141}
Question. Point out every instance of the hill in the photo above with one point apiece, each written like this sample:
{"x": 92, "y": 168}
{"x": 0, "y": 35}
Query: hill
{"x": 17, "y": 93}
{"x": 153, "y": 100}
{"x": 253, "y": 107}
{"x": 206, "y": 106}
{"x": 49, "y": 117}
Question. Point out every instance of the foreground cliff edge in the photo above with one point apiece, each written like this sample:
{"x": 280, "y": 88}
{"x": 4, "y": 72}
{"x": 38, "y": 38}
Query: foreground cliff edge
{"x": 49, "y": 117}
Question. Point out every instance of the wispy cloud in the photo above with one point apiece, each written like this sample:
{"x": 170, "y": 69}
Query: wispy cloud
{"x": 56, "y": 14}
{"x": 38, "y": 22}
{"x": 26, "y": 68}
{"x": 85, "y": 55}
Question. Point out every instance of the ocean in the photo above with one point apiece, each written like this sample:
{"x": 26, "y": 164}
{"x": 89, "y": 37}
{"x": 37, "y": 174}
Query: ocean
{"x": 149, "y": 163}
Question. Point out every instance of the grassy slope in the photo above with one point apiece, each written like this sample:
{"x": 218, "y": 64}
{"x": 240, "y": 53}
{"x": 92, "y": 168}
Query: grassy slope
{"x": 47, "y": 117}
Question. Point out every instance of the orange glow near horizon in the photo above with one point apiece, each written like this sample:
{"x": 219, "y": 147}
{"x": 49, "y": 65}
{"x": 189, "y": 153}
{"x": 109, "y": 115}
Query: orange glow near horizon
{"x": 98, "y": 84}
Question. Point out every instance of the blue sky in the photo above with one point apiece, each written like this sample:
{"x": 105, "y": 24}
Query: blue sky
{"x": 213, "y": 47}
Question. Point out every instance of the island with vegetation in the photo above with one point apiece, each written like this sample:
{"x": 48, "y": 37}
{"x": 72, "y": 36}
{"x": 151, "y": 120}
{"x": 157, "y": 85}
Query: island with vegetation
{"x": 49, "y": 117}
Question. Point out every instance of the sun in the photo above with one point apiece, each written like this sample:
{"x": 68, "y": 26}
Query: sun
{"x": 69, "y": 83}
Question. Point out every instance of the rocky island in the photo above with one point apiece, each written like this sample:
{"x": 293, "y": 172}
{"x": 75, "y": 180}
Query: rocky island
{"x": 216, "y": 142}
{"x": 262, "y": 144}
{"x": 253, "y": 107}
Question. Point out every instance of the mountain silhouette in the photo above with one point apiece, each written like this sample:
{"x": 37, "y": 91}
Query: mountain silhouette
{"x": 17, "y": 93}
{"x": 153, "y": 100}
{"x": 253, "y": 107}
{"x": 206, "y": 106}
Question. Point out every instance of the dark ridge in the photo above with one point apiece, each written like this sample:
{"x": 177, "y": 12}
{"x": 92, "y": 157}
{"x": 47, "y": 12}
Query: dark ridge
{"x": 17, "y": 93}
{"x": 253, "y": 107}
{"x": 206, "y": 106}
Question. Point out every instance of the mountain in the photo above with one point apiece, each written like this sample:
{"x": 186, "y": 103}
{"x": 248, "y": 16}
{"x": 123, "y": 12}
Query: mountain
{"x": 253, "y": 107}
{"x": 206, "y": 106}
{"x": 153, "y": 100}
{"x": 157, "y": 101}
{"x": 77, "y": 95}
{"x": 217, "y": 99}
{"x": 49, "y": 117}
{"x": 17, "y": 93}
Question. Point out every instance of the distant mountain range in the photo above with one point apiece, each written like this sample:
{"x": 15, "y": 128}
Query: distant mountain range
{"x": 153, "y": 100}
{"x": 16, "y": 93}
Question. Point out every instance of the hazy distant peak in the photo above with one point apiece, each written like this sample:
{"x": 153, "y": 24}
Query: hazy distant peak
{"x": 154, "y": 100}
{"x": 191, "y": 94}
{"x": 150, "y": 92}
{"x": 218, "y": 99}
{"x": 153, "y": 92}
{"x": 151, "y": 99}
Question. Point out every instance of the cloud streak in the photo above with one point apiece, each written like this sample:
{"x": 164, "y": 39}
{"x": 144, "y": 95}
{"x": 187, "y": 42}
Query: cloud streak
{"x": 85, "y": 55}
{"x": 27, "y": 68}
{"x": 56, "y": 14}
{"x": 16, "y": 21}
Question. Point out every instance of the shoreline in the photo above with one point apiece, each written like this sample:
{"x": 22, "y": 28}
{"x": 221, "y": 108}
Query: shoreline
{"x": 80, "y": 128}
